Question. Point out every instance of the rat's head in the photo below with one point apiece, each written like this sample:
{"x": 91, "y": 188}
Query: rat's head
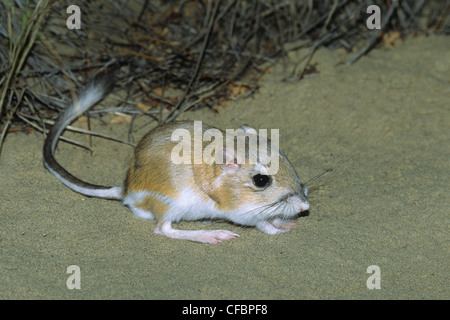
{"x": 263, "y": 195}
{"x": 255, "y": 184}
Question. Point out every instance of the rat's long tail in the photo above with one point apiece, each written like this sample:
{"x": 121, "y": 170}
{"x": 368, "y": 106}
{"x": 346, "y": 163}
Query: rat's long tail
{"x": 87, "y": 99}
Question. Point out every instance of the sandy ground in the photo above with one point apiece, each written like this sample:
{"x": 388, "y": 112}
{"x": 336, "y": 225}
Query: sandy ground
{"x": 381, "y": 124}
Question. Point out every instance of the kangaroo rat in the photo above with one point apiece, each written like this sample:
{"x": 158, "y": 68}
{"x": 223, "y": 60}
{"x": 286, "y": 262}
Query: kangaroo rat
{"x": 157, "y": 188}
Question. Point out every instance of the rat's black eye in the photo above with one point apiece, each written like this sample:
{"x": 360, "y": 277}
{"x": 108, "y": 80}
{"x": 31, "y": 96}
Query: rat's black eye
{"x": 262, "y": 181}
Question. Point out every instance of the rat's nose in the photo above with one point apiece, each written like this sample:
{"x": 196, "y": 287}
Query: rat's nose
{"x": 304, "y": 205}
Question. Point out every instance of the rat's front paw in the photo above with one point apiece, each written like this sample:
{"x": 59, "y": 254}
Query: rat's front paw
{"x": 284, "y": 224}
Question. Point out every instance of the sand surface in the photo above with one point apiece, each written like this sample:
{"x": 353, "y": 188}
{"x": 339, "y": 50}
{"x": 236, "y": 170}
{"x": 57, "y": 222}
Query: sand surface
{"x": 382, "y": 125}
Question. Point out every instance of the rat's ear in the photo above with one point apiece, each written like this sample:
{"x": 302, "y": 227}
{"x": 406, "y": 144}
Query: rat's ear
{"x": 230, "y": 164}
{"x": 249, "y": 130}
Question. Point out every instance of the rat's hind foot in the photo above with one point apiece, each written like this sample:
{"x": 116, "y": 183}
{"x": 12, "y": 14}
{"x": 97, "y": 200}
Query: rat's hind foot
{"x": 205, "y": 236}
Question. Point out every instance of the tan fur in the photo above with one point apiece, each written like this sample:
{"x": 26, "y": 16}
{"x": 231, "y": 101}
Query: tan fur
{"x": 150, "y": 169}
{"x": 154, "y": 205}
{"x": 153, "y": 170}
{"x": 207, "y": 178}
